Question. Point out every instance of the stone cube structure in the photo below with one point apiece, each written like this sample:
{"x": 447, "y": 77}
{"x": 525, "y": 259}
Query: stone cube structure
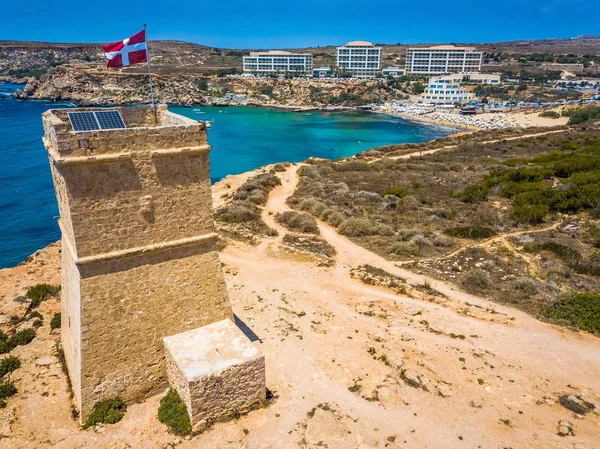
{"x": 217, "y": 372}
{"x": 139, "y": 258}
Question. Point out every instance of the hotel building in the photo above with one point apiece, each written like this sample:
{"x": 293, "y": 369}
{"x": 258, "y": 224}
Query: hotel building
{"x": 359, "y": 58}
{"x": 278, "y": 62}
{"x": 443, "y": 59}
{"x": 446, "y": 90}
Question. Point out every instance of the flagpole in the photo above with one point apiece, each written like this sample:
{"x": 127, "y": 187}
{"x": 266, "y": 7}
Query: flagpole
{"x": 150, "y": 74}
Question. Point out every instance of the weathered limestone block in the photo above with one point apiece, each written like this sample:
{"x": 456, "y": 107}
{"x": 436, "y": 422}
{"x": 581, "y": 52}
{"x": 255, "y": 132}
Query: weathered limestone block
{"x": 217, "y": 372}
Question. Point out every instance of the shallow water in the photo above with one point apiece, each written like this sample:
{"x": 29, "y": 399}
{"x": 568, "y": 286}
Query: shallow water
{"x": 243, "y": 139}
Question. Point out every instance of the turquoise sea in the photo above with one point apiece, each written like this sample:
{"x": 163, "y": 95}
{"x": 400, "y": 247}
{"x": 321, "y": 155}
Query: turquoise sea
{"x": 242, "y": 138}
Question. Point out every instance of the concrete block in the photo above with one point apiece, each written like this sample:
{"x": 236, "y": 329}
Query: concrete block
{"x": 217, "y": 372}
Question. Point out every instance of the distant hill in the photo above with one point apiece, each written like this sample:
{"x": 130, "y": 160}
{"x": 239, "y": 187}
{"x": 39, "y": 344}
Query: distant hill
{"x": 19, "y": 59}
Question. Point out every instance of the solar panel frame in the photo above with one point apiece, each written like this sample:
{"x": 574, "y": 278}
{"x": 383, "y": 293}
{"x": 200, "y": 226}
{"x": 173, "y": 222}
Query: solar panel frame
{"x": 96, "y": 120}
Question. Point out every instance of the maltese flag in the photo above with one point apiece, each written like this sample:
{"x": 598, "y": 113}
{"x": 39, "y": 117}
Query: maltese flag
{"x": 132, "y": 50}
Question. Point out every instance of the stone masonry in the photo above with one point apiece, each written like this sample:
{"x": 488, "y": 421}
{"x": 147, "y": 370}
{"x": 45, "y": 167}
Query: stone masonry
{"x": 217, "y": 372}
{"x": 139, "y": 259}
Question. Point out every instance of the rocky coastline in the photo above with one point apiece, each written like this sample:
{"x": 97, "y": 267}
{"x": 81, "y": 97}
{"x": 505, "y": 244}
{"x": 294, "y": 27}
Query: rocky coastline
{"x": 88, "y": 86}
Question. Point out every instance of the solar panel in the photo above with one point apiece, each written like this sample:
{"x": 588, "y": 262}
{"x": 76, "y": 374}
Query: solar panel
{"x": 83, "y": 121}
{"x": 110, "y": 119}
{"x": 97, "y": 120}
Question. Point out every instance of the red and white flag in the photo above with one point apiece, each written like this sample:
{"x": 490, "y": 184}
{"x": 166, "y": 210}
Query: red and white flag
{"x": 132, "y": 50}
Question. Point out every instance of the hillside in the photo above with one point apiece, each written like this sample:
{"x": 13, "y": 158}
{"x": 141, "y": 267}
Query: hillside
{"x": 23, "y": 59}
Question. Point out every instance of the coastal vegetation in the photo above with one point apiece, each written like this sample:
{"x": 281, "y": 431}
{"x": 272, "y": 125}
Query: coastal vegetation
{"x": 109, "y": 411}
{"x": 173, "y": 412}
{"x": 479, "y": 214}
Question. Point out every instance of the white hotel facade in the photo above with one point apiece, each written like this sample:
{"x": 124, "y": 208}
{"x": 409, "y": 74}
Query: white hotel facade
{"x": 443, "y": 59}
{"x": 278, "y": 63}
{"x": 446, "y": 90}
{"x": 359, "y": 58}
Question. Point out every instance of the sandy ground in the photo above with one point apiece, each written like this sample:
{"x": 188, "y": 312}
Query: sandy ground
{"x": 483, "y": 121}
{"x": 461, "y": 372}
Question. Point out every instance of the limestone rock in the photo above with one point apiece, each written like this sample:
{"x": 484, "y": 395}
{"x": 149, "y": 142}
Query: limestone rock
{"x": 576, "y": 404}
{"x": 565, "y": 428}
{"x": 45, "y": 361}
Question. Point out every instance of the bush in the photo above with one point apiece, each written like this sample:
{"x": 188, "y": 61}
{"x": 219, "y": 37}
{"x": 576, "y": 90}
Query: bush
{"x": 23, "y": 337}
{"x": 109, "y": 411}
{"x": 55, "y": 322}
{"x": 7, "y": 389}
{"x": 476, "y": 280}
{"x": 357, "y": 227}
{"x": 173, "y": 412}
{"x": 476, "y": 193}
{"x": 256, "y": 190}
{"x": 19, "y": 339}
{"x": 400, "y": 192}
{"x": 8, "y": 365}
{"x": 470, "y": 232}
{"x": 238, "y": 212}
{"x": 550, "y": 114}
{"x": 530, "y": 213}
{"x": 298, "y": 222}
{"x": 526, "y": 286}
{"x": 41, "y": 292}
{"x": 580, "y": 309}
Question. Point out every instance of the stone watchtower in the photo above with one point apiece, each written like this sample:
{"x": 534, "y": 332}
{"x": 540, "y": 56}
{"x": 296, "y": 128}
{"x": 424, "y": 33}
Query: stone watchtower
{"x": 139, "y": 258}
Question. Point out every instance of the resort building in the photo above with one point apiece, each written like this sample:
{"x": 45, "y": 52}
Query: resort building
{"x": 443, "y": 59}
{"x": 322, "y": 72}
{"x": 481, "y": 78}
{"x": 393, "y": 71}
{"x": 554, "y": 66}
{"x": 278, "y": 63}
{"x": 446, "y": 90}
{"x": 359, "y": 58}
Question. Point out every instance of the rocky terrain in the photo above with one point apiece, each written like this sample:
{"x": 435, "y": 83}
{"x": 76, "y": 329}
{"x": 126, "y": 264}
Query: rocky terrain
{"x": 87, "y": 86}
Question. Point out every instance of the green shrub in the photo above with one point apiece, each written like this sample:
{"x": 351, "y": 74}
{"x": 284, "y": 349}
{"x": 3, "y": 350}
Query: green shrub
{"x": 19, "y": 339}
{"x": 55, "y": 322}
{"x": 582, "y": 114}
{"x": 550, "y": 114}
{"x": 109, "y": 411}
{"x": 357, "y": 227}
{"x": 400, "y": 192}
{"x": 8, "y": 365}
{"x": 23, "y": 337}
{"x": 580, "y": 309}
{"x": 41, "y": 292}
{"x": 36, "y": 314}
{"x": 7, "y": 389}
{"x": 238, "y": 212}
{"x": 298, "y": 222}
{"x": 530, "y": 213}
{"x": 476, "y": 280}
{"x": 470, "y": 232}
{"x": 475, "y": 193}
{"x": 526, "y": 286}
{"x": 256, "y": 190}
{"x": 173, "y": 412}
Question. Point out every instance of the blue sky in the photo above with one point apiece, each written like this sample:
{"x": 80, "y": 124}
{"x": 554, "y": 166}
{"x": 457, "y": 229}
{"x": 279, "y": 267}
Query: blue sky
{"x": 301, "y": 23}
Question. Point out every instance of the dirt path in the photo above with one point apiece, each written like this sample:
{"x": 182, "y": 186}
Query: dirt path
{"x": 499, "y": 238}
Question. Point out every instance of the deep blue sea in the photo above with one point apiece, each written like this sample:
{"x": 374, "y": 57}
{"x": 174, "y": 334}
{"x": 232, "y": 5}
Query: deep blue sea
{"x": 242, "y": 138}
